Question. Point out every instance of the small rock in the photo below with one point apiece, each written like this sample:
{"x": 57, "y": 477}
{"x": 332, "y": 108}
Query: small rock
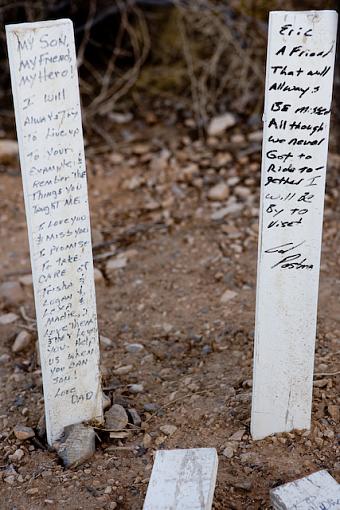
{"x": 120, "y": 118}
{"x": 168, "y": 430}
{"x": 140, "y": 148}
{"x": 4, "y": 358}
{"x": 136, "y": 419}
{"x": 221, "y": 159}
{"x": 147, "y": 440}
{"x": 126, "y": 369}
{"x": 106, "y": 401}
{"x": 242, "y": 191}
{"x": 229, "y": 210}
{"x": 98, "y": 275}
{"x": 116, "y": 158}
{"x": 136, "y": 388}
{"x": 228, "y": 452}
{"x": 26, "y": 280}
{"x": 116, "y": 418}
{"x": 219, "y": 192}
{"x": 119, "y": 434}
{"x": 97, "y": 236}
{"x": 334, "y": 412}
{"x": 206, "y": 349}
{"x": 17, "y": 455}
{"x": 76, "y": 445}
{"x": 246, "y": 485}
{"x": 9, "y": 152}
{"x": 11, "y": 293}
{"x": 22, "y": 433}
{"x": 9, "y": 479}
{"x": 237, "y": 436}
{"x": 116, "y": 263}
{"x": 151, "y": 407}
{"x": 105, "y": 341}
{"x": 227, "y": 296}
{"x": 41, "y": 427}
{"x": 220, "y": 123}
{"x": 8, "y": 318}
{"x": 255, "y": 136}
{"x": 22, "y": 341}
{"x": 134, "y": 348}
{"x": 32, "y": 491}
{"x": 134, "y": 183}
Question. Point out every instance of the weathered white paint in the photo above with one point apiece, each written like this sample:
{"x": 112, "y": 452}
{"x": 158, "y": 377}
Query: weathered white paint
{"x": 296, "y": 116}
{"x": 318, "y": 491}
{"x": 182, "y": 480}
{"x": 48, "y": 118}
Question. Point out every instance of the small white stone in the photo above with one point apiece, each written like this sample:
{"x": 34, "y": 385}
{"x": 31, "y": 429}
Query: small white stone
{"x": 98, "y": 275}
{"x": 9, "y": 152}
{"x": 116, "y": 263}
{"x": 8, "y": 318}
{"x": 26, "y": 280}
{"x": 104, "y": 340}
{"x": 220, "y": 123}
{"x": 134, "y": 348}
{"x": 126, "y": 369}
{"x": 4, "y": 358}
{"x": 228, "y": 452}
{"x": 229, "y": 210}
{"x": 255, "y": 136}
{"x": 11, "y": 293}
{"x": 168, "y": 430}
{"x": 22, "y": 341}
{"x": 227, "y": 296}
{"x": 237, "y": 436}
{"x": 136, "y": 388}
{"x": 219, "y": 192}
{"x": 17, "y": 455}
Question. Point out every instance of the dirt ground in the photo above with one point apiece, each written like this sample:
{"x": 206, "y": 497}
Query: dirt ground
{"x": 150, "y": 206}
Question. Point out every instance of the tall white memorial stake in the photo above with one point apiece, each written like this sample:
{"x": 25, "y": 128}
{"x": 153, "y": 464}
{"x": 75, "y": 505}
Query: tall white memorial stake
{"x": 48, "y": 118}
{"x": 300, "y": 64}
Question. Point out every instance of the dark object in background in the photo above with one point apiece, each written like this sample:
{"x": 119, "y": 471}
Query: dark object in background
{"x": 206, "y": 56}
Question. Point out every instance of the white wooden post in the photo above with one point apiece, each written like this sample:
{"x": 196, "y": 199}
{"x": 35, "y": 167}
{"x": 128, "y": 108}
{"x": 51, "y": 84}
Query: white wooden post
{"x": 48, "y": 119}
{"x": 182, "y": 480}
{"x": 300, "y": 64}
{"x": 318, "y": 491}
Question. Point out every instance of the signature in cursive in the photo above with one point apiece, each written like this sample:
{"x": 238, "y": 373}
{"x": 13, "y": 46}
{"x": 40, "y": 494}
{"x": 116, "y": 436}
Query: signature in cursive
{"x": 291, "y": 261}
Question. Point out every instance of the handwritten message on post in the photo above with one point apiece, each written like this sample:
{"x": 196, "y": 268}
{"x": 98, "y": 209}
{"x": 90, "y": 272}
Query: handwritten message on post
{"x": 48, "y": 117}
{"x": 300, "y": 65}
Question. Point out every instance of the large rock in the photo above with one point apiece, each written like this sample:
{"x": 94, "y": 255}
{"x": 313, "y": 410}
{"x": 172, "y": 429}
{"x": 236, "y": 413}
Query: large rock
{"x": 76, "y": 445}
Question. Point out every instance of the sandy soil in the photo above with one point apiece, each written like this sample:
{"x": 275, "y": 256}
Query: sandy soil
{"x": 149, "y": 201}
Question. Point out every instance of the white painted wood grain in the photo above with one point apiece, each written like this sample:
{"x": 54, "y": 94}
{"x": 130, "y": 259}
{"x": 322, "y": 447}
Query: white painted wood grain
{"x": 294, "y": 158}
{"x": 48, "y": 119}
{"x": 318, "y": 491}
{"x": 182, "y": 480}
